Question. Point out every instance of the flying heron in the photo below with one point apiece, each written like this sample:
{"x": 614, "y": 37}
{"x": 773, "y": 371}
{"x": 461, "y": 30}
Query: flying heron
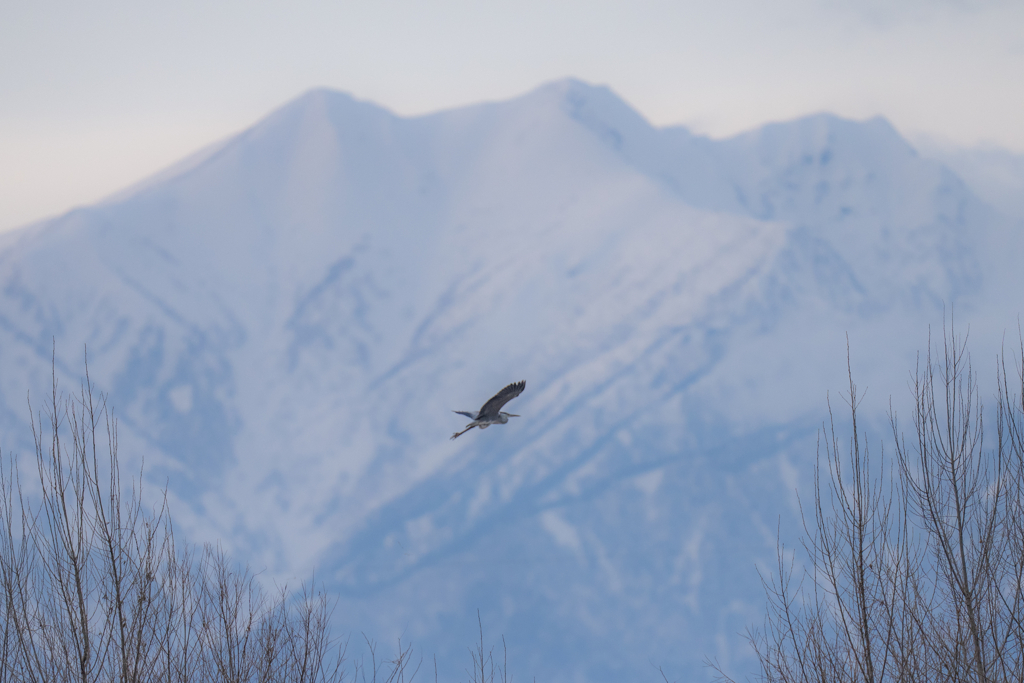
{"x": 491, "y": 413}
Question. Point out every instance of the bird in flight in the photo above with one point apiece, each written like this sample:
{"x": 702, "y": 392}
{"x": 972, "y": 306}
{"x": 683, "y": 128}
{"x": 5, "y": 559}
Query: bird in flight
{"x": 491, "y": 413}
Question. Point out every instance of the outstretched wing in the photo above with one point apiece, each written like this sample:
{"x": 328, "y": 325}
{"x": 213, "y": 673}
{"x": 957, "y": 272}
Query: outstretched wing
{"x": 492, "y": 407}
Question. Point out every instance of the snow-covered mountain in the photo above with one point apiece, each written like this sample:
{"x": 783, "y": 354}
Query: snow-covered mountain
{"x": 285, "y": 321}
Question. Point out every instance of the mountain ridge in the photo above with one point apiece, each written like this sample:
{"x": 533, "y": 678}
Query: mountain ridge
{"x": 285, "y": 322}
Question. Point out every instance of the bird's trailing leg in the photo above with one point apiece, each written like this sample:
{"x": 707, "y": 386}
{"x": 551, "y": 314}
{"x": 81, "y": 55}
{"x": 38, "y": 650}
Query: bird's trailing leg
{"x": 458, "y": 434}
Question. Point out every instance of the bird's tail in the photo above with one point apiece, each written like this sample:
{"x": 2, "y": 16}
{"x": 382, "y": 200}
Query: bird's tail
{"x": 471, "y": 416}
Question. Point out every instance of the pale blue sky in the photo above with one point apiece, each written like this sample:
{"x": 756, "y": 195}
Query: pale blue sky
{"x": 94, "y": 95}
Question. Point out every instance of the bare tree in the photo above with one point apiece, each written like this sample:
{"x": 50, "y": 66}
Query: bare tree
{"x": 95, "y": 588}
{"x": 484, "y": 665}
{"x": 910, "y": 568}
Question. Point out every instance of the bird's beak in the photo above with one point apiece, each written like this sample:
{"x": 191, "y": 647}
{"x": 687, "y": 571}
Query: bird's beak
{"x": 511, "y": 415}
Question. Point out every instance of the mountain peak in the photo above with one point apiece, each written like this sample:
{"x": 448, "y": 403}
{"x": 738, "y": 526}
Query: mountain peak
{"x": 818, "y": 133}
{"x": 597, "y": 107}
{"x": 322, "y": 104}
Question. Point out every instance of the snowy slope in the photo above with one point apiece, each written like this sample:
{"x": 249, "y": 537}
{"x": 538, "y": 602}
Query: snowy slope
{"x": 995, "y": 175}
{"x": 285, "y": 321}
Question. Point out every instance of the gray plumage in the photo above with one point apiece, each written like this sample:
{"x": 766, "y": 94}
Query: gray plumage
{"x": 491, "y": 412}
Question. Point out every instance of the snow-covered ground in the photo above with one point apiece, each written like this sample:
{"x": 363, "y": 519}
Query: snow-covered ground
{"x": 284, "y": 322}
